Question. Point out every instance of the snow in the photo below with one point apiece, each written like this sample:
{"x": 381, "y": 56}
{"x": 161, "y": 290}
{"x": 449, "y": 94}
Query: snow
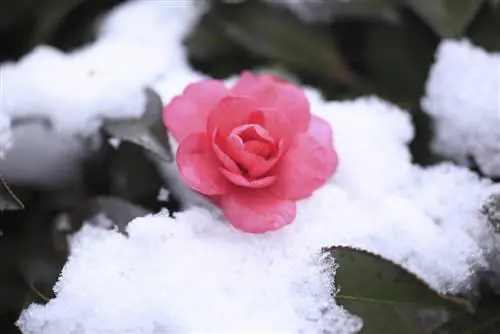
{"x": 137, "y": 45}
{"x": 463, "y": 98}
{"x": 196, "y": 273}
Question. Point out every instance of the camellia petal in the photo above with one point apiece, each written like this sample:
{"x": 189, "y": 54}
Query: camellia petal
{"x": 250, "y": 84}
{"x": 303, "y": 169}
{"x": 229, "y": 113}
{"x": 290, "y": 100}
{"x": 219, "y": 146}
{"x": 188, "y": 113}
{"x": 241, "y": 181}
{"x": 321, "y": 130}
{"x": 270, "y": 92}
{"x": 279, "y": 126}
{"x": 256, "y": 211}
{"x": 198, "y": 166}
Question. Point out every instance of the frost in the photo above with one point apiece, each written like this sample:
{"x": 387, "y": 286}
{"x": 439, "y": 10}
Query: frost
{"x": 463, "y": 98}
{"x": 196, "y": 273}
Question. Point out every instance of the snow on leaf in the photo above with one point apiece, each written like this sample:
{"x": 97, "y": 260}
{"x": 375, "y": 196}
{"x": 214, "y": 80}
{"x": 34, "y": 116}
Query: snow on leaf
{"x": 389, "y": 299}
{"x": 147, "y": 131}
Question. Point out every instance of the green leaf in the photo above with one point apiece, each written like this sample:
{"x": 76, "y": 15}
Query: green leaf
{"x": 398, "y": 57}
{"x": 389, "y": 299}
{"x": 119, "y": 211}
{"x": 147, "y": 131}
{"x": 278, "y": 35}
{"x": 206, "y": 43}
{"x": 484, "y": 31}
{"x": 486, "y": 320}
{"x": 448, "y": 18}
{"x": 363, "y": 8}
{"x": 8, "y": 200}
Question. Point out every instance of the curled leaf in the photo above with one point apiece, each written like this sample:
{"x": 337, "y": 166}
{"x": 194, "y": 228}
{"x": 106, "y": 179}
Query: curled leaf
{"x": 147, "y": 131}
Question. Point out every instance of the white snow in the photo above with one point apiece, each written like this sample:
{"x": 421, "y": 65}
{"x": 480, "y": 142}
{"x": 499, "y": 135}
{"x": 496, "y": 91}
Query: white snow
{"x": 163, "y": 195}
{"x": 195, "y": 273}
{"x": 463, "y": 98}
{"x": 5, "y": 134}
{"x": 137, "y": 45}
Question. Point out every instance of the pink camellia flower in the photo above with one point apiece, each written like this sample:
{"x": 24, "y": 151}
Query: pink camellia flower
{"x": 254, "y": 149}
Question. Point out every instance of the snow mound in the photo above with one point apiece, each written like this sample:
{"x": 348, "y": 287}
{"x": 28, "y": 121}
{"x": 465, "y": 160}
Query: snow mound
{"x": 66, "y": 95}
{"x": 196, "y": 273}
{"x": 463, "y": 98}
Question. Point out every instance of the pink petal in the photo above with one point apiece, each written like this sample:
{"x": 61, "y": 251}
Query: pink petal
{"x": 236, "y": 150}
{"x": 229, "y": 113}
{"x": 249, "y": 84}
{"x": 278, "y": 125}
{"x": 256, "y": 211}
{"x": 258, "y": 148}
{"x": 270, "y": 92}
{"x": 253, "y": 132}
{"x": 304, "y": 168}
{"x": 289, "y": 99}
{"x": 321, "y": 130}
{"x": 220, "y": 146}
{"x": 198, "y": 166}
{"x": 188, "y": 113}
{"x": 240, "y": 180}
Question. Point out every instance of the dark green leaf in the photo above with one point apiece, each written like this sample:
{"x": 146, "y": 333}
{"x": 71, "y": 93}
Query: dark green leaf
{"x": 147, "y": 131}
{"x": 483, "y": 32}
{"x": 133, "y": 176}
{"x": 389, "y": 299}
{"x": 398, "y": 57}
{"x": 363, "y": 8}
{"x": 8, "y": 200}
{"x": 448, "y": 18}
{"x": 277, "y": 34}
{"x": 205, "y": 43}
{"x": 486, "y": 320}
{"x": 119, "y": 211}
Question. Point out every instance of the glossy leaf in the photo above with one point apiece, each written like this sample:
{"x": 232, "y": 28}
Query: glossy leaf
{"x": 389, "y": 299}
{"x": 448, "y": 18}
{"x": 147, "y": 131}
{"x": 277, "y": 34}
